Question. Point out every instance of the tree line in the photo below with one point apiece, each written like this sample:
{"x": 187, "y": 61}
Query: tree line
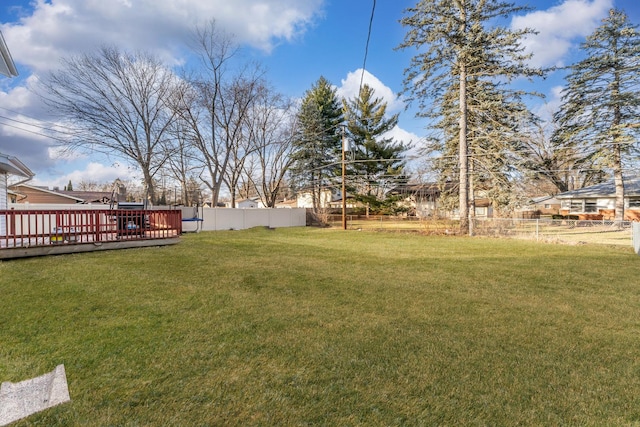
{"x": 220, "y": 125}
{"x": 223, "y": 125}
{"x": 487, "y": 138}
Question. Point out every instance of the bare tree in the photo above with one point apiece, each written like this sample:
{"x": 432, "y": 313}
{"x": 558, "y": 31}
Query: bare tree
{"x": 273, "y": 120}
{"x": 562, "y": 166}
{"x": 117, "y": 101}
{"x": 182, "y": 164}
{"x": 215, "y": 108}
{"x": 236, "y": 119}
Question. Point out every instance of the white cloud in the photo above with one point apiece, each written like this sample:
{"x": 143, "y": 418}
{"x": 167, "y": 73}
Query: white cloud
{"x": 49, "y": 30}
{"x": 351, "y": 87}
{"x": 401, "y": 135}
{"x": 57, "y": 28}
{"x": 93, "y": 172}
{"x": 551, "y": 106}
{"x": 559, "y": 28}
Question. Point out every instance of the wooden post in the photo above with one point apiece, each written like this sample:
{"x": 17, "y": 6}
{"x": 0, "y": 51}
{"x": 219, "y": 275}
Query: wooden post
{"x": 344, "y": 186}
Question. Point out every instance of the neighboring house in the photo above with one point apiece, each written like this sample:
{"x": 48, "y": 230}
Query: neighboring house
{"x": 351, "y": 203}
{"x": 250, "y": 203}
{"x": 10, "y": 166}
{"x": 33, "y": 194}
{"x": 423, "y": 199}
{"x": 598, "y": 201}
{"x": 483, "y": 208}
{"x": 304, "y": 198}
{"x": 539, "y": 206}
{"x": 287, "y": 204}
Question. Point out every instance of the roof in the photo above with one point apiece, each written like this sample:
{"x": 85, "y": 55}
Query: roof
{"x": 540, "y": 199}
{"x": 76, "y": 196}
{"x": 429, "y": 188}
{"x": 604, "y": 189}
{"x": 90, "y": 196}
{"x": 7, "y": 67}
{"x": 13, "y": 166}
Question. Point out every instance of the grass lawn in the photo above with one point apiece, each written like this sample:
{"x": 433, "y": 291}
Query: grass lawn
{"x": 326, "y": 327}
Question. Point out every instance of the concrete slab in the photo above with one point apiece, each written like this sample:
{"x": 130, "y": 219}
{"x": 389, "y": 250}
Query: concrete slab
{"x": 19, "y": 400}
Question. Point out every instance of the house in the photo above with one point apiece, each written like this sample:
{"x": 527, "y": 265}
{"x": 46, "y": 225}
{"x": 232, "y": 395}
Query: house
{"x": 539, "y": 206}
{"x": 423, "y": 199}
{"x": 598, "y": 201}
{"x": 304, "y": 198}
{"x": 287, "y": 204}
{"x": 351, "y": 203}
{"x": 483, "y": 208}
{"x": 10, "y": 166}
{"x": 250, "y": 203}
{"x": 26, "y": 193}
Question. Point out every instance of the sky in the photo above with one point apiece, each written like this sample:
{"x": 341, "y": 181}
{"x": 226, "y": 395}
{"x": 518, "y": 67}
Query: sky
{"x": 297, "y": 41}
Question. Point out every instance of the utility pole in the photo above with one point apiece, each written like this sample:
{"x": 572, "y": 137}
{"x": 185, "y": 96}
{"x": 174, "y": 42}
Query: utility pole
{"x": 344, "y": 185}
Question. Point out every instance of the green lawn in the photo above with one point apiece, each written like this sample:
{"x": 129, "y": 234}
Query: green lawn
{"x": 326, "y": 327}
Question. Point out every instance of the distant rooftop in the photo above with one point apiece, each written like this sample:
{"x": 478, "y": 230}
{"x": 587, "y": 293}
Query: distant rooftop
{"x": 604, "y": 189}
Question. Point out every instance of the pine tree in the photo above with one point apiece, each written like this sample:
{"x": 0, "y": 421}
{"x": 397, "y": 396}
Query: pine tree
{"x": 457, "y": 48}
{"x": 377, "y": 160}
{"x": 317, "y": 146}
{"x": 601, "y": 103}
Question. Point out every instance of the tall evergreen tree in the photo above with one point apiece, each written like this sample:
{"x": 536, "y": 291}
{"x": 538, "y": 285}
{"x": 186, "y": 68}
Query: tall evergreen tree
{"x": 457, "y": 44}
{"x": 317, "y": 146}
{"x": 601, "y": 102}
{"x": 377, "y": 160}
{"x": 495, "y": 118}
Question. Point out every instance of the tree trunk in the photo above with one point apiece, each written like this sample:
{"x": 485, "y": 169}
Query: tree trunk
{"x": 463, "y": 155}
{"x": 472, "y": 198}
{"x": 619, "y": 184}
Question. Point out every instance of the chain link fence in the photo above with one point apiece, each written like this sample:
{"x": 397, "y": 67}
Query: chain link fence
{"x": 567, "y": 231}
{"x": 557, "y": 230}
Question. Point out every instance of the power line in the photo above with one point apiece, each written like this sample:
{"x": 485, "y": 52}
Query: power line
{"x": 34, "y": 132}
{"x": 366, "y": 48}
{"x": 32, "y": 125}
{"x": 50, "y": 124}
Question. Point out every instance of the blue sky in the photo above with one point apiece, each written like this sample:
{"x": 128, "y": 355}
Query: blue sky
{"x": 296, "y": 40}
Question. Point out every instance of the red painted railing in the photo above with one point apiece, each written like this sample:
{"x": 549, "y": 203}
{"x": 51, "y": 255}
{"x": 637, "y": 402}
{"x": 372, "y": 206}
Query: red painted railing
{"x": 32, "y": 228}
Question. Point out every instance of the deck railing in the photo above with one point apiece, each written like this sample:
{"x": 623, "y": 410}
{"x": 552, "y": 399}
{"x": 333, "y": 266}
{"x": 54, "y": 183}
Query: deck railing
{"x": 33, "y": 228}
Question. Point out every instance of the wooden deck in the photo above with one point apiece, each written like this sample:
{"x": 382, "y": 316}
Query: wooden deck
{"x": 27, "y": 233}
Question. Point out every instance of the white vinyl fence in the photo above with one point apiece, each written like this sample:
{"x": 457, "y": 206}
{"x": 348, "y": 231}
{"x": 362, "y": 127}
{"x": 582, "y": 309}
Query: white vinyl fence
{"x": 204, "y": 219}
{"x": 212, "y": 219}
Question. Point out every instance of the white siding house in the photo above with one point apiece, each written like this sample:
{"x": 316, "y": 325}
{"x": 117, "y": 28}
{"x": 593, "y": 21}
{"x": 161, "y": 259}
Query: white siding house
{"x": 9, "y": 166}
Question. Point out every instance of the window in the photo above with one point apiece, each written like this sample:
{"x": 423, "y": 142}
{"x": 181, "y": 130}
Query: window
{"x": 547, "y": 206}
{"x": 590, "y": 206}
{"x": 634, "y": 203}
{"x": 576, "y": 206}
